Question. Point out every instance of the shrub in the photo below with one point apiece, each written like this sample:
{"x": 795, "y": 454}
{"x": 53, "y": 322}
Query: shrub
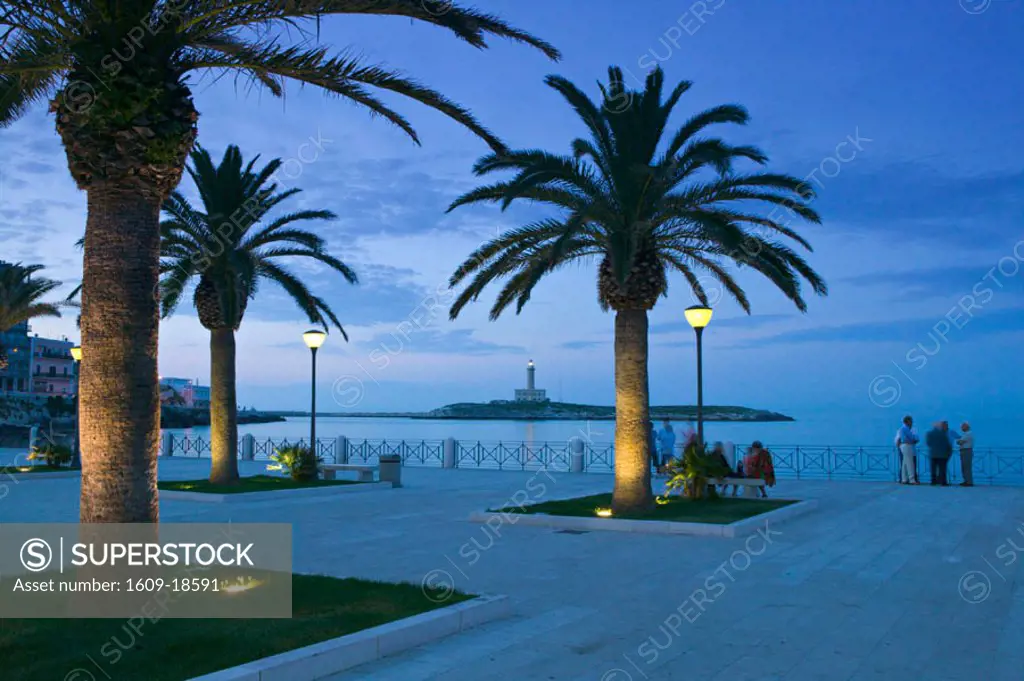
{"x": 53, "y": 454}
{"x": 300, "y": 462}
{"x": 690, "y": 474}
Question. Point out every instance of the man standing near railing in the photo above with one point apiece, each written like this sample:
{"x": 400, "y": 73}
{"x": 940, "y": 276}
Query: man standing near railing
{"x": 906, "y": 443}
{"x": 940, "y": 448}
{"x": 966, "y": 443}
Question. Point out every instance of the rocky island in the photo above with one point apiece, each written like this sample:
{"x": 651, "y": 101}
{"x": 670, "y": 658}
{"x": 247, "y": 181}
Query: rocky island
{"x": 508, "y": 410}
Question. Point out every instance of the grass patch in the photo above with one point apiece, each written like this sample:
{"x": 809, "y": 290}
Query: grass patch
{"x": 36, "y": 468}
{"x": 252, "y": 483}
{"x": 715, "y": 511}
{"x": 177, "y": 649}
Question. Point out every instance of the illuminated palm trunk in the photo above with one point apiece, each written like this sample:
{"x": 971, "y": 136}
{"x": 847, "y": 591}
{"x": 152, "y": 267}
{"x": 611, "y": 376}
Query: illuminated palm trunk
{"x": 120, "y": 397}
{"x": 223, "y": 407}
{"x": 632, "y": 491}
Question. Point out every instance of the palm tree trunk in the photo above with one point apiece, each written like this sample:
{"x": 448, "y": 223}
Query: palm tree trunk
{"x": 120, "y": 398}
{"x": 223, "y": 407}
{"x": 632, "y": 493}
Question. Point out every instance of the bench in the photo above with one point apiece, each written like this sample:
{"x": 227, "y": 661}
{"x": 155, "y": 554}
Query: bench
{"x": 749, "y": 484}
{"x": 365, "y": 473}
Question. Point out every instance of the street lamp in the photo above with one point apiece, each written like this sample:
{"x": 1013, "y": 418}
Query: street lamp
{"x": 76, "y": 354}
{"x": 699, "y": 316}
{"x": 313, "y": 338}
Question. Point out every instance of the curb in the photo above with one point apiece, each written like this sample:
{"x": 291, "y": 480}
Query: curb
{"x": 56, "y": 475}
{"x": 740, "y": 528}
{"x": 327, "y": 658}
{"x": 246, "y": 497}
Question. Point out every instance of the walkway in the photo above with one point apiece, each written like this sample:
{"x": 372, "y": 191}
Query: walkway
{"x": 877, "y": 584}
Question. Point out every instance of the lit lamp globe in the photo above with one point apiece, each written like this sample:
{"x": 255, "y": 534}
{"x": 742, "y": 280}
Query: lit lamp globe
{"x": 698, "y": 316}
{"x": 76, "y": 353}
{"x": 314, "y": 339}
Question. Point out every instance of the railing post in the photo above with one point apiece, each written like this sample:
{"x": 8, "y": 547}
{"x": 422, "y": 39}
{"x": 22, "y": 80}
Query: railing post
{"x": 450, "y": 448}
{"x": 576, "y": 459}
{"x": 248, "y": 447}
{"x": 167, "y": 444}
{"x": 341, "y": 449}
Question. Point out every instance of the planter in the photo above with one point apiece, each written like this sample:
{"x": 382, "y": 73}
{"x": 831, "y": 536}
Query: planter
{"x": 325, "y": 659}
{"x": 246, "y": 497}
{"x": 740, "y": 528}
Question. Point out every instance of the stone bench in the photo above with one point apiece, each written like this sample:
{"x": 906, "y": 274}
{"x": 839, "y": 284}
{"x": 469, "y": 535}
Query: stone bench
{"x": 365, "y": 473}
{"x": 750, "y": 485}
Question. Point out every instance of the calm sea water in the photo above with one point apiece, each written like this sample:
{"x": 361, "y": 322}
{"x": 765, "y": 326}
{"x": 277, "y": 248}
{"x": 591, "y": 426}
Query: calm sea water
{"x": 873, "y": 428}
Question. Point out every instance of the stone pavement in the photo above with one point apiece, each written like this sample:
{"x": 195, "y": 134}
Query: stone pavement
{"x": 882, "y": 582}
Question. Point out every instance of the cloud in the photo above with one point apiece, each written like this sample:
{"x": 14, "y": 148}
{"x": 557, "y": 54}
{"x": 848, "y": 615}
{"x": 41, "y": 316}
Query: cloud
{"x": 434, "y": 341}
{"x": 938, "y": 282}
{"x": 914, "y": 200}
{"x": 744, "y": 321}
{"x": 583, "y": 344}
{"x": 949, "y": 324}
{"x": 36, "y": 168}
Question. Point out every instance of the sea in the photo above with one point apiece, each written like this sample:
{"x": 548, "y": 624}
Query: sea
{"x": 867, "y": 429}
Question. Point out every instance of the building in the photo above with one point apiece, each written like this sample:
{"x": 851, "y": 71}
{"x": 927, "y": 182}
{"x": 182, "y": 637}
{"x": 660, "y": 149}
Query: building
{"x": 15, "y": 359}
{"x": 177, "y": 391}
{"x": 53, "y": 368}
{"x": 531, "y": 393}
{"x": 201, "y": 396}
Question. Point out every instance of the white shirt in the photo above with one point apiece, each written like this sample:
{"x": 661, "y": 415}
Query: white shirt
{"x": 967, "y": 440}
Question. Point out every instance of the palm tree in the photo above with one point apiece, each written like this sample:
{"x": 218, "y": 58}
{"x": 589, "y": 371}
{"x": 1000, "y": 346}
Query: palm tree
{"x": 116, "y": 76}
{"x": 229, "y": 247}
{"x": 643, "y": 203}
{"x": 21, "y": 299}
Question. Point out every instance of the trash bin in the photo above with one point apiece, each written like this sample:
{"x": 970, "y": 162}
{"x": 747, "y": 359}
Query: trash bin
{"x": 391, "y": 469}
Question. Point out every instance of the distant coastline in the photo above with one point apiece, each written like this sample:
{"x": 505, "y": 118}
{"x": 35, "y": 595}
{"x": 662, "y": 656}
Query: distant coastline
{"x": 558, "y": 411}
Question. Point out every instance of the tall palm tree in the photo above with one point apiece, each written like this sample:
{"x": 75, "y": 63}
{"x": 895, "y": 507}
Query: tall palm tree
{"x": 116, "y": 75}
{"x": 229, "y": 247}
{"x": 643, "y": 202}
{"x": 21, "y": 299}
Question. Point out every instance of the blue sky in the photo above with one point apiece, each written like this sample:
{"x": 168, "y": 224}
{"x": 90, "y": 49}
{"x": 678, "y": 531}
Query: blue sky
{"x": 923, "y": 209}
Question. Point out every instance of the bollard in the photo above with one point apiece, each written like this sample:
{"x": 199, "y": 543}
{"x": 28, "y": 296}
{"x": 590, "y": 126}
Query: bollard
{"x": 248, "y": 447}
{"x": 167, "y": 444}
{"x": 391, "y": 469}
{"x": 341, "y": 449}
{"x": 576, "y": 457}
{"x": 450, "y": 447}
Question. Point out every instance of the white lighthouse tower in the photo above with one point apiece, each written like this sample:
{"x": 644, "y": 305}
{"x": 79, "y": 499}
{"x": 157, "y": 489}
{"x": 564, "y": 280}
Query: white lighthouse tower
{"x": 531, "y": 393}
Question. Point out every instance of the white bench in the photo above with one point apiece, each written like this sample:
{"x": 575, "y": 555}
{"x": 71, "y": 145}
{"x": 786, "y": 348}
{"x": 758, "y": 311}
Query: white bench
{"x": 365, "y": 473}
{"x": 749, "y": 485}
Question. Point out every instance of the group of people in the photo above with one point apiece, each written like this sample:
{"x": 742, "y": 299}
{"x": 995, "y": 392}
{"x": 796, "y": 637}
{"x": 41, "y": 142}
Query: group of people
{"x": 757, "y": 462}
{"x": 940, "y": 442}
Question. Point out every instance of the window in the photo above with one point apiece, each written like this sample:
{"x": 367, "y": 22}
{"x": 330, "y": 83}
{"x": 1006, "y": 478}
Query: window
{"x": 39, "y": 369}
{"x": 53, "y": 371}
{"x": 65, "y": 371}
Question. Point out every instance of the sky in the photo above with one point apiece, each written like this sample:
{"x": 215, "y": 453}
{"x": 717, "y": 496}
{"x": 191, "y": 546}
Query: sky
{"x": 905, "y": 116}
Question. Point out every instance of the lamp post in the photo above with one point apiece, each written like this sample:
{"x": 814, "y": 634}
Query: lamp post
{"x": 76, "y": 457}
{"x": 698, "y": 316}
{"x": 313, "y": 338}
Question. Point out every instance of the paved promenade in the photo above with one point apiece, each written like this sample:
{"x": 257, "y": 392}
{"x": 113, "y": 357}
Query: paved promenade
{"x": 882, "y": 582}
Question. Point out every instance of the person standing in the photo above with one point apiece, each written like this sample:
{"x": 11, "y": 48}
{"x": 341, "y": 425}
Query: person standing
{"x": 906, "y": 443}
{"x": 939, "y": 450}
{"x": 966, "y": 443}
{"x": 652, "y": 436}
{"x": 666, "y": 442}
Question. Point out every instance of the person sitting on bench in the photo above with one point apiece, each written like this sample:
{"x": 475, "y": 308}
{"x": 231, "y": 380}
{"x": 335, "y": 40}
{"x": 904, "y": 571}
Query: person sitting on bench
{"x": 757, "y": 464}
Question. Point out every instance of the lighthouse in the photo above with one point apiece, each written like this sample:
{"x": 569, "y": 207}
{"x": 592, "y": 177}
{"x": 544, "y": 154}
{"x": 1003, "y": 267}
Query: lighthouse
{"x": 530, "y": 393}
